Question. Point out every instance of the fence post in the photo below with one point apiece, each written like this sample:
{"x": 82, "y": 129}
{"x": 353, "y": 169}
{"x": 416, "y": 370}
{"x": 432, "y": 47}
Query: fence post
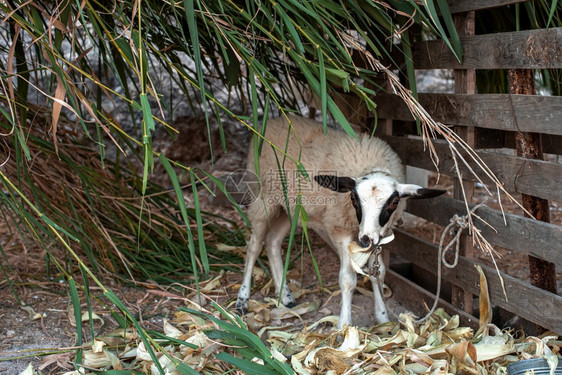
{"x": 529, "y": 145}
{"x": 465, "y": 83}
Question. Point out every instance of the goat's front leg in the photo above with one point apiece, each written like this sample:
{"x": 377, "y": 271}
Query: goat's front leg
{"x": 348, "y": 281}
{"x": 381, "y": 314}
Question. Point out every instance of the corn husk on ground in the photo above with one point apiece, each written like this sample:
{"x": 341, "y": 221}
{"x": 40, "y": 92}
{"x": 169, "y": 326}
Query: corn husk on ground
{"x": 214, "y": 341}
{"x": 438, "y": 346}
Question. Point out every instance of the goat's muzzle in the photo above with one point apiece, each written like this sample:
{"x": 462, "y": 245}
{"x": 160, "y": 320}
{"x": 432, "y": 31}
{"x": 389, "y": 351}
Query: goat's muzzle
{"x": 364, "y": 242}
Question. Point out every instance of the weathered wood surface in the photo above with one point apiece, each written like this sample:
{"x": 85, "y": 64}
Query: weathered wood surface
{"x": 531, "y": 49}
{"x": 529, "y": 145}
{"x": 525, "y": 300}
{"x": 417, "y": 299}
{"x": 465, "y": 83}
{"x": 459, "y": 6}
{"x": 518, "y": 175}
{"x": 521, "y": 234}
{"x": 526, "y": 113}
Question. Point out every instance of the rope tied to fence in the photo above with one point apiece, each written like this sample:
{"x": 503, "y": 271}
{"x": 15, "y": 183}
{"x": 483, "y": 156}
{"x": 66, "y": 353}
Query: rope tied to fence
{"x": 457, "y": 224}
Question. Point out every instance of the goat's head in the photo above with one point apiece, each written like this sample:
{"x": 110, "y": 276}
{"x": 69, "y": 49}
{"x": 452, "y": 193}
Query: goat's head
{"x": 375, "y": 197}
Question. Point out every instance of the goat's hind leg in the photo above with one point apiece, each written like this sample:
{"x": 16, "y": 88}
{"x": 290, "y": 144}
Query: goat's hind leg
{"x": 253, "y": 251}
{"x": 273, "y": 243}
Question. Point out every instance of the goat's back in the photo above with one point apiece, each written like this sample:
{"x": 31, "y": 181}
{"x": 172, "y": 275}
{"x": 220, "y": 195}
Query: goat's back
{"x": 334, "y": 153}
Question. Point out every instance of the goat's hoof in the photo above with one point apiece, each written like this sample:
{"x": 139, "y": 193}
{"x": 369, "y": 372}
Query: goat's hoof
{"x": 291, "y": 304}
{"x": 287, "y": 298}
{"x": 381, "y": 317}
{"x": 242, "y": 306}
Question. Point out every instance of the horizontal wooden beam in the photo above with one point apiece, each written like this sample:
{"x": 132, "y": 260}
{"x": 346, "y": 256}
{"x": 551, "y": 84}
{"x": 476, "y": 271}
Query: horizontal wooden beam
{"x": 518, "y": 175}
{"x": 527, "y": 113}
{"x": 460, "y": 6}
{"x": 531, "y": 49}
{"x": 523, "y": 299}
{"x": 521, "y": 234}
{"x": 417, "y": 299}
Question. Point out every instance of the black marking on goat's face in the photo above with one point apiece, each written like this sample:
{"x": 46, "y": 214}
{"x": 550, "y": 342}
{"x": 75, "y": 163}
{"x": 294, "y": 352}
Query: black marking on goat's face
{"x": 335, "y": 183}
{"x": 356, "y": 204}
{"x": 389, "y": 207}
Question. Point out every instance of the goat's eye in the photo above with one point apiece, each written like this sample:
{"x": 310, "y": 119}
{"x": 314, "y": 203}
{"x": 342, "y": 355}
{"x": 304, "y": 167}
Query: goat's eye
{"x": 393, "y": 204}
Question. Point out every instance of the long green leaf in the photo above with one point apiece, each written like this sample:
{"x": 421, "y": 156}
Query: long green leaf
{"x": 448, "y": 19}
{"x": 434, "y": 16}
{"x": 148, "y": 343}
{"x": 183, "y": 209}
{"x": 248, "y": 367}
{"x": 323, "y": 91}
{"x": 199, "y": 222}
{"x": 78, "y": 319}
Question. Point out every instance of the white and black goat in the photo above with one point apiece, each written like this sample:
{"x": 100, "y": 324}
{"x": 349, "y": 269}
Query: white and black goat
{"x": 355, "y": 194}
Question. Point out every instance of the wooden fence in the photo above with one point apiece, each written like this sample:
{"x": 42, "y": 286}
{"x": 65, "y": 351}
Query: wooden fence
{"x": 487, "y": 123}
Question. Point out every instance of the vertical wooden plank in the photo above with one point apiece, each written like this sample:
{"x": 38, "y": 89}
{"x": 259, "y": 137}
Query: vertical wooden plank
{"x": 465, "y": 83}
{"x": 386, "y": 129}
{"x": 543, "y": 273}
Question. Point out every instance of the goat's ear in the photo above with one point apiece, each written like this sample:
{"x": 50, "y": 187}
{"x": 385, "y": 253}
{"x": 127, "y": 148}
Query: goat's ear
{"x": 417, "y": 192}
{"x": 335, "y": 183}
